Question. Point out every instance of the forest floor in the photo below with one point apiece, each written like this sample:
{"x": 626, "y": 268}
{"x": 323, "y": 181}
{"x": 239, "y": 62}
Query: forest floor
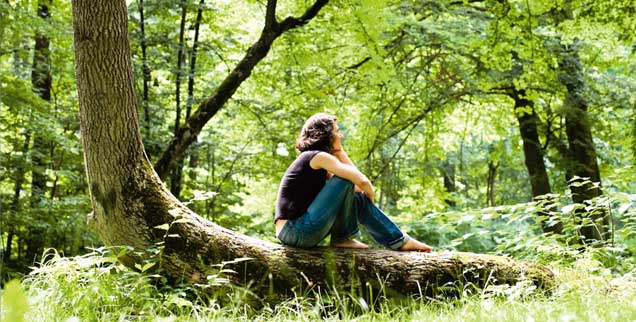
{"x": 94, "y": 287}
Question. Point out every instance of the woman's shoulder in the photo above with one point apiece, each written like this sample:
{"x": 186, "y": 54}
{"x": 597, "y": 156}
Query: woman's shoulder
{"x": 319, "y": 159}
{"x": 309, "y": 153}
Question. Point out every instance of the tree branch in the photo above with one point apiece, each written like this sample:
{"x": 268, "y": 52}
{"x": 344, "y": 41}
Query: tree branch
{"x": 292, "y": 22}
{"x": 188, "y": 133}
{"x": 270, "y": 15}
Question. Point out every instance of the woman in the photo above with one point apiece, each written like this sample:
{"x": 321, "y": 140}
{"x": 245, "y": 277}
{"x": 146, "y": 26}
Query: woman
{"x": 323, "y": 193}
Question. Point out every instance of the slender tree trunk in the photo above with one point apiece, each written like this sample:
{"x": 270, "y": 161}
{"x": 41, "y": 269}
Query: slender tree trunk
{"x": 533, "y": 154}
{"x": 6, "y": 255}
{"x": 448, "y": 174}
{"x": 177, "y": 175}
{"x": 41, "y": 81}
{"x": 188, "y": 133}
{"x": 389, "y": 197}
{"x": 145, "y": 68}
{"x": 15, "y": 207}
{"x": 132, "y": 207}
{"x": 492, "y": 178}
{"x": 583, "y": 169}
{"x": 193, "y": 59}
{"x": 193, "y": 156}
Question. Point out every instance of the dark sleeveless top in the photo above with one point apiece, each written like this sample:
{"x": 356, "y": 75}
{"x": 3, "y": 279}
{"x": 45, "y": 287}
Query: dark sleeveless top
{"x": 299, "y": 187}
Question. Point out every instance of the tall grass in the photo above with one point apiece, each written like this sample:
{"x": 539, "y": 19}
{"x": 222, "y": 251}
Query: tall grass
{"x": 594, "y": 284}
{"x": 95, "y": 287}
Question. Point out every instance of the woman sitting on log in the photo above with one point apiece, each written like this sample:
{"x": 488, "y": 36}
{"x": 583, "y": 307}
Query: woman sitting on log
{"x": 323, "y": 193}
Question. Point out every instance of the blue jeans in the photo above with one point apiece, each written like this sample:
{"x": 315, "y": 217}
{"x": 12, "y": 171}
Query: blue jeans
{"x": 337, "y": 210}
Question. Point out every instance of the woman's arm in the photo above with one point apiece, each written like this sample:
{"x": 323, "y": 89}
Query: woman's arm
{"x": 341, "y": 155}
{"x": 337, "y": 166}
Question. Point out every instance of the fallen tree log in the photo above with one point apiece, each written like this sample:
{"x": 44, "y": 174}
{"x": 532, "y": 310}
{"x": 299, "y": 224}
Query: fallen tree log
{"x": 279, "y": 269}
{"x": 132, "y": 207}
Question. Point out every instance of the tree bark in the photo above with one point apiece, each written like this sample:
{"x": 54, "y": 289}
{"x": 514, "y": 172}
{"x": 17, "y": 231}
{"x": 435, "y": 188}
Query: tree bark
{"x": 194, "y": 157}
{"x": 583, "y": 169}
{"x": 448, "y": 174}
{"x": 188, "y": 133}
{"x": 15, "y": 207}
{"x": 177, "y": 175}
{"x": 41, "y": 81}
{"x": 533, "y": 154}
{"x": 145, "y": 68}
{"x": 492, "y": 178}
{"x": 132, "y": 207}
{"x": 193, "y": 59}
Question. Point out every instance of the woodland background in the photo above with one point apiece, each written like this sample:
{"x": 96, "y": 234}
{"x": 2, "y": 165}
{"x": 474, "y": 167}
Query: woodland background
{"x": 462, "y": 113}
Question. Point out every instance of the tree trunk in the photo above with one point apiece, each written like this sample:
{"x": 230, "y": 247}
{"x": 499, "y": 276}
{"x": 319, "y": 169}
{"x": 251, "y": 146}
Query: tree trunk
{"x": 492, "y": 178}
{"x": 177, "y": 175}
{"x": 193, "y": 59}
{"x": 533, "y": 154}
{"x": 583, "y": 170}
{"x": 41, "y": 81}
{"x": 448, "y": 174}
{"x": 131, "y": 205}
{"x": 188, "y": 133}
{"x": 145, "y": 68}
{"x": 193, "y": 63}
{"x": 14, "y": 209}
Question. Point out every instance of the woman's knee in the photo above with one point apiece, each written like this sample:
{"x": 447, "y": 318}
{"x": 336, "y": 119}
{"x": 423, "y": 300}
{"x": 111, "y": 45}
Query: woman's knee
{"x": 339, "y": 181}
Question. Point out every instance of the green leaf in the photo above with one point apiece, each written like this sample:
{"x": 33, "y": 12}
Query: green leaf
{"x": 146, "y": 267}
{"x": 163, "y": 227}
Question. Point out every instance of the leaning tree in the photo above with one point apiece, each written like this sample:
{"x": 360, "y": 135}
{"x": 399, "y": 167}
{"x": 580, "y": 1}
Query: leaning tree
{"x": 131, "y": 205}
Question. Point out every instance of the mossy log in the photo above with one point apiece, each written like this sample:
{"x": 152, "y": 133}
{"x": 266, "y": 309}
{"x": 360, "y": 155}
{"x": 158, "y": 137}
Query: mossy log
{"x": 273, "y": 269}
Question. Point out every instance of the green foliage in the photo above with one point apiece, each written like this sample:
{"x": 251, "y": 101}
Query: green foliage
{"x": 30, "y": 223}
{"x": 417, "y": 87}
{"x": 516, "y": 230}
{"x": 14, "y": 302}
{"x": 96, "y": 287}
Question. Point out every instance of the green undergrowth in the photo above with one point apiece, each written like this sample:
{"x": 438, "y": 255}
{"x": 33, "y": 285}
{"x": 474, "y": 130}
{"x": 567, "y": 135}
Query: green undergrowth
{"x": 95, "y": 287}
{"x": 595, "y": 282}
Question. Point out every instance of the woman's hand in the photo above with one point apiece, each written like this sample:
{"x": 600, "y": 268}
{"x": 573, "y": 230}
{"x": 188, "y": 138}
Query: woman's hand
{"x": 370, "y": 194}
{"x": 340, "y": 165}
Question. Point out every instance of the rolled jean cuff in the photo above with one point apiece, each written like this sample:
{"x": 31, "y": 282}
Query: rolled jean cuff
{"x": 395, "y": 245}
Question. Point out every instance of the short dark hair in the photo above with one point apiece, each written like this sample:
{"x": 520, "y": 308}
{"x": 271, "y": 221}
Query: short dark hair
{"x": 317, "y": 133}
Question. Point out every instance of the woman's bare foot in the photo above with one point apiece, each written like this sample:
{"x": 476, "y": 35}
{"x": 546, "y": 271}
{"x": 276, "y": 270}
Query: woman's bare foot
{"x": 350, "y": 243}
{"x": 415, "y": 245}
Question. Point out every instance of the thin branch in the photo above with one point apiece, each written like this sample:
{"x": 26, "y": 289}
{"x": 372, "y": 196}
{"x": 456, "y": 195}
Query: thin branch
{"x": 188, "y": 133}
{"x": 408, "y": 134}
{"x": 292, "y": 22}
{"x": 270, "y": 15}
{"x": 362, "y": 62}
